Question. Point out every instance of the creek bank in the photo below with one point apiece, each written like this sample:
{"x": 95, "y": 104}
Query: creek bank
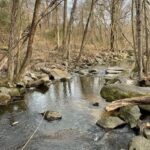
{"x": 9, "y": 94}
{"x": 39, "y": 80}
{"x": 122, "y": 89}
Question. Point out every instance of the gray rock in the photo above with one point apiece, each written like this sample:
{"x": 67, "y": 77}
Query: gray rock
{"x": 130, "y": 114}
{"x": 52, "y": 115}
{"x": 146, "y": 133}
{"x": 110, "y": 122}
{"x": 139, "y": 143}
{"x": 58, "y": 74}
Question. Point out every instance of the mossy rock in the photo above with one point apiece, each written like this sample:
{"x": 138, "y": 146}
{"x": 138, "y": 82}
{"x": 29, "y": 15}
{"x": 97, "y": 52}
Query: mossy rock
{"x": 130, "y": 114}
{"x": 14, "y": 92}
{"x": 114, "y": 92}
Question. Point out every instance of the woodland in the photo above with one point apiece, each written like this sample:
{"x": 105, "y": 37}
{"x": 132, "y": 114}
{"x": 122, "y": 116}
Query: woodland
{"x": 69, "y": 63}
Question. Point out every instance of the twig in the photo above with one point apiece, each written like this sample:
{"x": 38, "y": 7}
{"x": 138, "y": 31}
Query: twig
{"x": 31, "y": 137}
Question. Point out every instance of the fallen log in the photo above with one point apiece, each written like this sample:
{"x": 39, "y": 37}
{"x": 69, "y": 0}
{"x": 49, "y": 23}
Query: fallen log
{"x": 143, "y": 100}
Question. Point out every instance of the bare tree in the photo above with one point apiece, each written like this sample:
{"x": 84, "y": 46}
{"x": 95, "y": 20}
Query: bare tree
{"x": 69, "y": 30}
{"x": 12, "y": 39}
{"x": 86, "y": 29}
{"x": 112, "y": 34}
{"x": 33, "y": 27}
{"x": 64, "y": 22}
{"x": 138, "y": 4}
{"x": 146, "y": 38}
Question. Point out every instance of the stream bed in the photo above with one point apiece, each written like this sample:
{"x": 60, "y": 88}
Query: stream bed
{"x": 76, "y": 131}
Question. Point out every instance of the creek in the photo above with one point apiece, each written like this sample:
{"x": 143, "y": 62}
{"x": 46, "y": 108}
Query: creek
{"x": 76, "y": 131}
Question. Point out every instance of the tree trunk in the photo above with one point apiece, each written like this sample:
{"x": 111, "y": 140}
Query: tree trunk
{"x": 133, "y": 33}
{"x": 69, "y": 30}
{"x": 138, "y": 37}
{"x": 146, "y": 39}
{"x": 12, "y": 40}
{"x": 27, "y": 58}
{"x": 57, "y": 27}
{"x": 64, "y": 22}
{"x": 112, "y": 32}
{"x": 86, "y": 29}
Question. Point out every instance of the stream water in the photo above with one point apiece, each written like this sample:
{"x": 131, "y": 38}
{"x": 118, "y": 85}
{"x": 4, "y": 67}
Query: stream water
{"x": 77, "y": 129}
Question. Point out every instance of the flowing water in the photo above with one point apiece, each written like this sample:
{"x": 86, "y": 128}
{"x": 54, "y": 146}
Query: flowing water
{"x": 77, "y": 129}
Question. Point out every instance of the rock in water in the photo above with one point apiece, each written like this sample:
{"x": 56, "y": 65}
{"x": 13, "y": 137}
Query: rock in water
{"x": 139, "y": 143}
{"x": 110, "y": 122}
{"x": 130, "y": 114}
{"x": 52, "y": 115}
{"x": 58, "y": 74}
{"x": 120, "y": 91}
{"x": 4, "y": 98}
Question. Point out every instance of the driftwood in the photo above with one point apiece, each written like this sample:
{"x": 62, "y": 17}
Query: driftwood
{"x": 143, "y": 100}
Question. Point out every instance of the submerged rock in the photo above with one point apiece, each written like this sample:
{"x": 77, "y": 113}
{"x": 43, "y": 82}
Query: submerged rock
{"x": 52, "y": 115}
{"x": 120, "y": 91}
{"x": 139, "y": 143}
{"x": 130, "y": 114}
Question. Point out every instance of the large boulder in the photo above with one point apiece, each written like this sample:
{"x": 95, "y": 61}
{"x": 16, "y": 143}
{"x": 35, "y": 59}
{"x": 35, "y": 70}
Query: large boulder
{"x": 139, "y": 143}
{"x": 130, "y": 114}
{"x": 114, "y": 92}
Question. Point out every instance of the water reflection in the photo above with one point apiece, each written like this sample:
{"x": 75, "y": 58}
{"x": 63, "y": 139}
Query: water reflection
{"x": 61, "y": 93}
{"x": 13, "y": 107}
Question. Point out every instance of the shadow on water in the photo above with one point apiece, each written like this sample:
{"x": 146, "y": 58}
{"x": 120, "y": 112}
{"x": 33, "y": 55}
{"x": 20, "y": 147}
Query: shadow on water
{"x": 76, "y": 130}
